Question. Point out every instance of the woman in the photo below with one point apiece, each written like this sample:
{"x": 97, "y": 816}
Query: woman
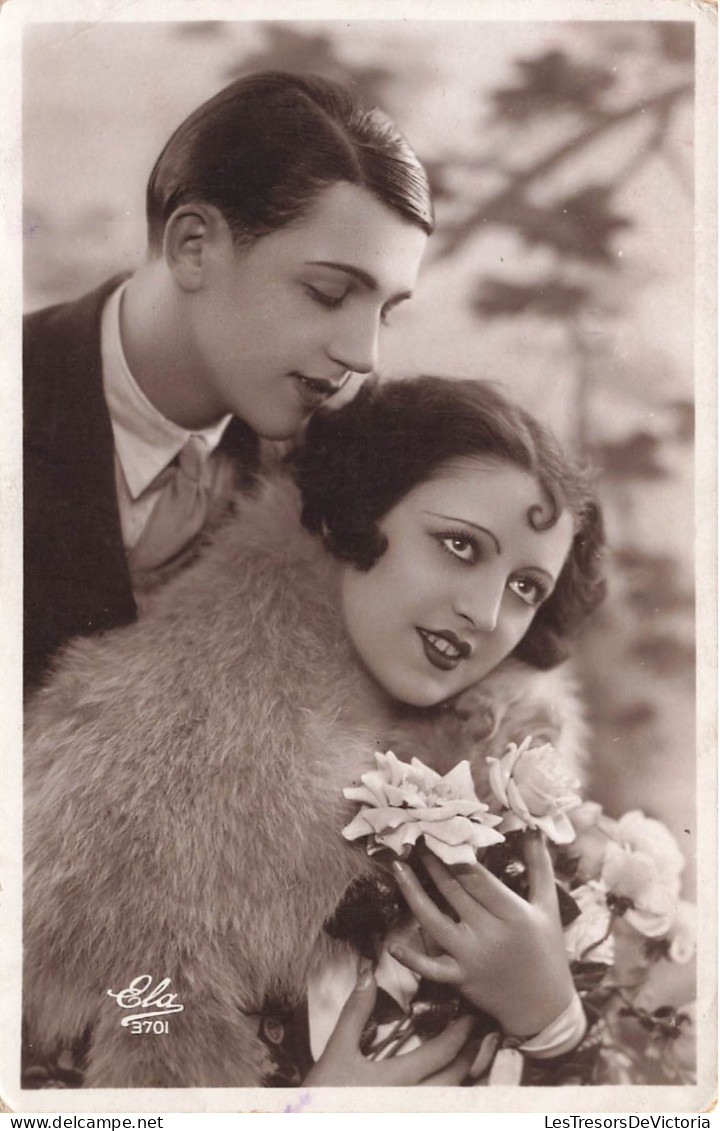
{"x": 185, "y": 776}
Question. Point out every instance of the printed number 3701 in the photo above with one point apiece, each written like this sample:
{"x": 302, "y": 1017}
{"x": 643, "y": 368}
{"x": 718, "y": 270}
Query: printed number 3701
{"x": 147, "y": 1026}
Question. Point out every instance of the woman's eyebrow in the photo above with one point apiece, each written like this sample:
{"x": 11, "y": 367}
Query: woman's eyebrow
{"x": 364, "y": 277}
{"x": 466, "y": 522}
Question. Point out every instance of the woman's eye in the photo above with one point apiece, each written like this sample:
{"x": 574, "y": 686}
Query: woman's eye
{"x": 529, "y": 590}
{"x": 459, "y": 546}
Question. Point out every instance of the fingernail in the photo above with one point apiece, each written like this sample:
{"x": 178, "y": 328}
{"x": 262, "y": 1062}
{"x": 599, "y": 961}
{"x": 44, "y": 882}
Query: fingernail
{"x": 364, "y": 974}
{"x": 397, "y": 951}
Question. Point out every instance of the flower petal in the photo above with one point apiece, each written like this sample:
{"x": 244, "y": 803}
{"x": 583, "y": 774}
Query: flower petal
{"x": 450, "y": 853}
{"x": 359, "y": 826}
{"x": 517, "y": 804}
{"x": 511, "y": 823}
{"x": 453, "y": 830}
{"x": 388, "y": 818}
{"x": 398, "y": 839}
{"x": 459, "y": 779}
{"x": 648, "y": 923}
{"x": 396, "y": 769}
{"x": 483, "y": 836}
{"x": 425, "y": 774}
{"x": 405, "y": 794}
{"x": 497, "y": 781}
{"x": 557, "y": 828}
{"x": 361, "y": 794}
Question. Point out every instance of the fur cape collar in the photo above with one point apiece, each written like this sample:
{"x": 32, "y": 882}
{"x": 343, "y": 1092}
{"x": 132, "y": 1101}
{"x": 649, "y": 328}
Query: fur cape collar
{"x": 183, "y": 798}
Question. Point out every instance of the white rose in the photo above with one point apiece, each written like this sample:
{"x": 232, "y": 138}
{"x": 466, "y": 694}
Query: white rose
{"x": 537, "y": 790}
{"x": 592, "y": 830}
{"x": 644, "y": 834}
{"x": 647, "y": 900}
{"x": 401, "y": 803}
{"x": 641, "y": 870}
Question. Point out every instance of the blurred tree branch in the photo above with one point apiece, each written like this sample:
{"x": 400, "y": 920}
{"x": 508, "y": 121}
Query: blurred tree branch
{"x": 508, "y": 203}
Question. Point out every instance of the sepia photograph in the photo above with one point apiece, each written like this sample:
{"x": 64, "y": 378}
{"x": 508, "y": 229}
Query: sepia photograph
{"x": 362, "y": 712}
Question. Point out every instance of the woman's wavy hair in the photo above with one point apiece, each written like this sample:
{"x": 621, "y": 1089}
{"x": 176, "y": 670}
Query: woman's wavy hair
{"x": 263, "y": 148}
{"x": 358, "y": 461}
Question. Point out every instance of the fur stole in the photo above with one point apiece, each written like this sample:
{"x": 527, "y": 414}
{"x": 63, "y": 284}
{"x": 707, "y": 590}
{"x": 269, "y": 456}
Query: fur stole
{"x": 183, "y": 799}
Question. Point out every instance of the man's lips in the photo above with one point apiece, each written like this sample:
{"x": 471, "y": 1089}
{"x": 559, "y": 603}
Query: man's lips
{"x": 444, "y": 649}
{"x": 315, "y": 390}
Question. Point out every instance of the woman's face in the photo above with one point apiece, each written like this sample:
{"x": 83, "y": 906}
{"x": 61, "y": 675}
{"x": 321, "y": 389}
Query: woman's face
{"x": 275, "y": 327}
{"x": 461, "y": 579}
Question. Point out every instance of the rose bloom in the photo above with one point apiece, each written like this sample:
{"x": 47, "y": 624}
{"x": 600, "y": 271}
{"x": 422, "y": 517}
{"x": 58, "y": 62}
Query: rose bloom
{"x": 646, "y": 835}
{"x": 402, "y": 802}
{"x": 586, "y": 816}
{"x": 536, "y": 788}
{"x": 642, "y": 866}
{"x": 634, "y": 879}
{"x": 585, "y": 938}
{"x": 592, "y": 830}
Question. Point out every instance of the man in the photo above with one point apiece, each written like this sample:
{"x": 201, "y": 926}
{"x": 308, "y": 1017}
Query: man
{"x": 284, "y": 222}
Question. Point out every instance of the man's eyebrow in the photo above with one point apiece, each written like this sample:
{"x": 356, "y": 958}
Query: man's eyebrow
{"x": 368, "y": 281}
{"x": 476, "y": 526}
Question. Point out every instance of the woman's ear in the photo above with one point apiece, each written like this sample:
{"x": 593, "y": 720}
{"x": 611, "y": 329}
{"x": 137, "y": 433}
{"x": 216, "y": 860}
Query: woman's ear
{"x": 195, "y": 235}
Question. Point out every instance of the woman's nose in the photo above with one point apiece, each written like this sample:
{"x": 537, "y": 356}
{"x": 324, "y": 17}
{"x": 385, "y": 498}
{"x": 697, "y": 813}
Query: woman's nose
{"x": 355, "y": 344}
{"x": 480, "y": 606}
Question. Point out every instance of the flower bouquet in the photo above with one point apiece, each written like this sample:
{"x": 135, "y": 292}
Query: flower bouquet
{"x": 618, "y": 885}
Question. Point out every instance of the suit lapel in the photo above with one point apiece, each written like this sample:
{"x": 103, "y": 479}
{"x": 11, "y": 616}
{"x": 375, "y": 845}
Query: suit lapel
{"x": 76, "y": 574}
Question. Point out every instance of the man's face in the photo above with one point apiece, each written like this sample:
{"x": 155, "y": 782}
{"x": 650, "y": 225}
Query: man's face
{"x": 275, "y": 328}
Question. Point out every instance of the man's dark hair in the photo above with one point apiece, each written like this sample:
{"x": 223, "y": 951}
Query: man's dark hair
{"x": 359, "y": 461}
{"x": 262, "y": 149}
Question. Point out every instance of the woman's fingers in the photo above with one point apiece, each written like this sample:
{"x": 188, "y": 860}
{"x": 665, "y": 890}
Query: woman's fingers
{"x": 451, "y": 886}
{"x": 455, "y": 1072}
{"x": 442, "y": 968}
{"x": 342, "y": 1063}
{"x": 432, "y": 1057}
{"x": 355, "y": 1012}
{"x": 540, "y": 873}
{"x": 437, "y": 925}
{"x": 479, "y": 885}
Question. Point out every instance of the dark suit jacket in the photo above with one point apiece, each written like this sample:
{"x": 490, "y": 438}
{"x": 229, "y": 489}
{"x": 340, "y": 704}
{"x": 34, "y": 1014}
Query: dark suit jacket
{"x": 76, "y": 575}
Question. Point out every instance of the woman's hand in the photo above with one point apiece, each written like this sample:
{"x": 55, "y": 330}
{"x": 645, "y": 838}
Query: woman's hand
{"x": 445, "y": 1059}
{"x": 506, "y": 955}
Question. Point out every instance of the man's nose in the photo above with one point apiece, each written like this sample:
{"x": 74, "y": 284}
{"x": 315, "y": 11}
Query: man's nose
{"x": 480, "y": 604}
{"x": 355, "y": 344}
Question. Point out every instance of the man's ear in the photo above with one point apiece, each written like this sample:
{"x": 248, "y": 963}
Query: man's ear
{"x": 195, "y": 235}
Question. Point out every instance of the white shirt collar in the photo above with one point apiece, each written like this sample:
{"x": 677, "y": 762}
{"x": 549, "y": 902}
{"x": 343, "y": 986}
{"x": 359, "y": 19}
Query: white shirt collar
{"x": 145, "y": 440}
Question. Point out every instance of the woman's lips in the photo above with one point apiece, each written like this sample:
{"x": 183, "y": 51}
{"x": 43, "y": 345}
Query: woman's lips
{"x": 444, "y": 650}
